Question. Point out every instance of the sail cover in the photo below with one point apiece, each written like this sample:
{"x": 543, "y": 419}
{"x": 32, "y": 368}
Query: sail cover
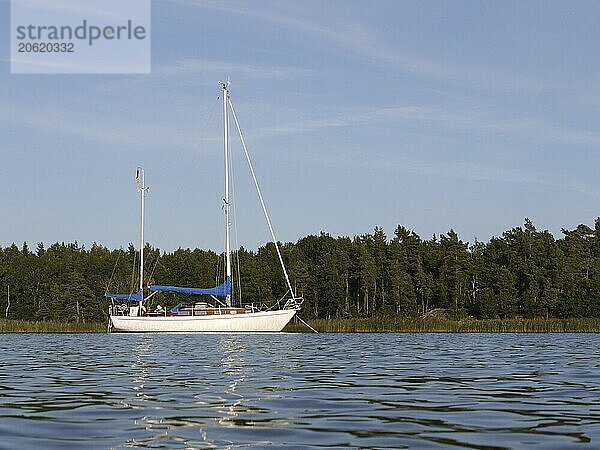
{"x": 178, "y": 307}
{"x": 135, "y": 297}
{"x": 222, "y": 289}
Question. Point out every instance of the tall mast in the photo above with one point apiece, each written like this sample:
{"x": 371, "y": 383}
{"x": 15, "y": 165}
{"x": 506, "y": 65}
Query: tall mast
{"x": 262, "y": 202}
{"x": 142, "y": 190}
{"x": 225, "y": 87}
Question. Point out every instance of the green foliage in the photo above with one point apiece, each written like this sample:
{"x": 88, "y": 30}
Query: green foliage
{"x": 523, "y": 274}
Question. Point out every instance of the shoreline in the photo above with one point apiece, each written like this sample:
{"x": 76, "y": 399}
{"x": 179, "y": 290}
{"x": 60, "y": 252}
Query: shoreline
{"x": 432, "y": 325}
{"x": 360, "y": 325}
{"x": 31, "y": 326}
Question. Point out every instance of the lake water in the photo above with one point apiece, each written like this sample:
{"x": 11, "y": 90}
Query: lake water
{"x": 487, "y": 391}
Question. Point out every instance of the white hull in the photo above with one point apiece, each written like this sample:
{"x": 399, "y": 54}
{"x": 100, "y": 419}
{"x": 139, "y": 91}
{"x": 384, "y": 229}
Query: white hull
{"x": 248, "y": 322}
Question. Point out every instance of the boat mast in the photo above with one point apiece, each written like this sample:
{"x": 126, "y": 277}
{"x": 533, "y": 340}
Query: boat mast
{"x": 142, "y": 190}
{"x": 262, "y": 202}
{"x": 225, "y": 87}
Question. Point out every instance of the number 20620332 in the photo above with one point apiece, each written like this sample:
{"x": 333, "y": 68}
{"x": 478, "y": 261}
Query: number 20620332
{"x": 46, "y": 47}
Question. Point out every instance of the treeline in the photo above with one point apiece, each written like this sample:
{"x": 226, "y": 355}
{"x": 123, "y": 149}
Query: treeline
{"x": 525, "y": 273}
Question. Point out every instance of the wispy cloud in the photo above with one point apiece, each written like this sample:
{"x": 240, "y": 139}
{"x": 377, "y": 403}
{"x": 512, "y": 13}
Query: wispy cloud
{"x": 454, "y": 117}
{"x": 476, "y": 171}
{"x": 201, "y": 72}
{"x": 393, "y": 164}
{"x": 153, "y": 132}
{"x": 88, "y": 10}
{"x": 364, "y": 42}
{"x": 104, "y": 129}
{"x": 197, "y": 66}
{"x": 46, "y": 66}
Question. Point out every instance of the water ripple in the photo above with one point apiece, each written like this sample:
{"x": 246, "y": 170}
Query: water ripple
{"x": 430, "y": 391}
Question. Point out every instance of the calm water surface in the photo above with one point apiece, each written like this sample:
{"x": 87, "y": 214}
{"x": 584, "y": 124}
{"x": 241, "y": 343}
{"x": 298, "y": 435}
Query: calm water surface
{"x": 487, "y": 391}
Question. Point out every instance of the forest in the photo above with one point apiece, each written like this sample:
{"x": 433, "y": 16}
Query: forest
{"x": 524, "y": 273}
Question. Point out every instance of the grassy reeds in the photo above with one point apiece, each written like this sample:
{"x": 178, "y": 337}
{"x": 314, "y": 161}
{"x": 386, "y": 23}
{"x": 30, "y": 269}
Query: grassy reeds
{"x": 438, "y": 325}
{"x": 361, "y": 325}
{"x": 25, "y": 326}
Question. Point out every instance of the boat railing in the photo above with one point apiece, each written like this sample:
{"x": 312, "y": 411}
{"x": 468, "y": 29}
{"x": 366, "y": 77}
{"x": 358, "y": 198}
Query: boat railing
{"x": 294, "y": 303}
{"x": 118, "y": 310}
{"x": 196, "y": 310}
{"x": 159, "y": 311}
{"x": 126, "y": 310}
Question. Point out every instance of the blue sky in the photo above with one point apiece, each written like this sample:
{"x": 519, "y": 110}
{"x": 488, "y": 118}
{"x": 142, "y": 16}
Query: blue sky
{"x": 463, "y": 114}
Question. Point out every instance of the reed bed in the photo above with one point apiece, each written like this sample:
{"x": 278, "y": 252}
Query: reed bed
{"x": 437, "y": 325}
{"x": 360, "y": 325}
{"x": 26, "y": 326}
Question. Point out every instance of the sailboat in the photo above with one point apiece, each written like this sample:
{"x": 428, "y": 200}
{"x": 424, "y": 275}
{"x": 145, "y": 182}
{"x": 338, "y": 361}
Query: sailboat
{"x": 221, "y": 315}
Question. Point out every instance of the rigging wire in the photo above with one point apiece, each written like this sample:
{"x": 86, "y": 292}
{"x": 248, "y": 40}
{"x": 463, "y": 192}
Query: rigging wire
{"x": 114, "y": 270}
{"x": 262, "y": 202}
{"x": 180, "y": 190}
{"x": 237, "y": 255}
{"x": 220, "y": 265}
{"x": 133, "y": 272}
{"x": 220, "y": 275}
{"x": 235, "y": 230}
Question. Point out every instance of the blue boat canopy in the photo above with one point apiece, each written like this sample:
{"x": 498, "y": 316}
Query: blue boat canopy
{"x": 222, "y": 289}
{"x": 135, "y": 297}
{"x": 178, "y": 307}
